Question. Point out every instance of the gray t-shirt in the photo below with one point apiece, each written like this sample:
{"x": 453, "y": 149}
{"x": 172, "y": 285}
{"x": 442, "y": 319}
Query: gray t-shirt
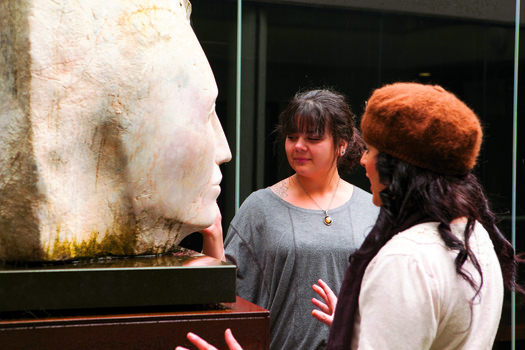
{"x": 282, "y": 250}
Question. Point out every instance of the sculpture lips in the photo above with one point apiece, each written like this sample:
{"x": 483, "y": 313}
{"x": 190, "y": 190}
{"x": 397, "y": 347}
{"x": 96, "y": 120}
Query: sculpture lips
{"x": 216, "y": 177}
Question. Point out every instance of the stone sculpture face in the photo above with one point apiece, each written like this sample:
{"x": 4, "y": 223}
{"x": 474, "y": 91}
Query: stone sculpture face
{"x": 112, "y": 145}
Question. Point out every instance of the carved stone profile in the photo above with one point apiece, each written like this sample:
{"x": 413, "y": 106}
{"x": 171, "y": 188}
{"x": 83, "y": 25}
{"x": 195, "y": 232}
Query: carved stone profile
{"x": 109, "y": 140}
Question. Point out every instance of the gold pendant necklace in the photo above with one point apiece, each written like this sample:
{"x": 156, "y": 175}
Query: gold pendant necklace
{"x": 327, "y": 218}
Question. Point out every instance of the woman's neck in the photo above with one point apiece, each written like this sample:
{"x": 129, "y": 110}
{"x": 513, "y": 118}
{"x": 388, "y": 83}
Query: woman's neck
{"x": 318, "y": 184}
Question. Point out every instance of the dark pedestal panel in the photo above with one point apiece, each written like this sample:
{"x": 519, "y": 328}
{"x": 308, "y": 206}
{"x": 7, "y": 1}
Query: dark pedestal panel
{"x": 181, "y": 277}
{"x": 146, "y": 329}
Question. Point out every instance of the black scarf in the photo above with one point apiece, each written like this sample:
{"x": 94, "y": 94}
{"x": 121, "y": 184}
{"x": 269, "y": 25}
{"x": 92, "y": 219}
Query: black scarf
{"x": 342, "y": 329}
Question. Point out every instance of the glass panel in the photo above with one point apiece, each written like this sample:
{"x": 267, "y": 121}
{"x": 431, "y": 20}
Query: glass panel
{"x": 287, "y": 48}
{"x": 356, "y": 52}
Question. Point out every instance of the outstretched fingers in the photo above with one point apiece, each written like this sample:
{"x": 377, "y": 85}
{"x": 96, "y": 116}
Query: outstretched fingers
{"x": 202, "y": 344}
{"x": 231, "y": 341}
{"x": 319, "y": 304}
{"x": 325, "y": 314}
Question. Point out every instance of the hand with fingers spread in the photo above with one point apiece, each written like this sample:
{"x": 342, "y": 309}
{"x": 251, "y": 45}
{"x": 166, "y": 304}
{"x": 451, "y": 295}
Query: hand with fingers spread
{"x": 325, "y": 314}
{"x": 202, "y": 344}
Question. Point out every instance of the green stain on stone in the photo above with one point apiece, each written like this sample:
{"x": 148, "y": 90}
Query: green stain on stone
{"x": 116, "y": 242}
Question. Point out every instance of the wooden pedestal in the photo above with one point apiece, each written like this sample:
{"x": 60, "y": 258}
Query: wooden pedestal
{"x": 146, "y": 329}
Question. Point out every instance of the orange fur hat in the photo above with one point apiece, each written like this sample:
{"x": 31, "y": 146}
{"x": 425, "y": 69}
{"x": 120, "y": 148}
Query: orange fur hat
{"x": 424, "y": 125}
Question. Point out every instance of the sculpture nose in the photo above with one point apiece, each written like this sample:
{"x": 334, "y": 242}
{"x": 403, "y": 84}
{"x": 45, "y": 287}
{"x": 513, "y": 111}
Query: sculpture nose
{"x": 222, "y": 149}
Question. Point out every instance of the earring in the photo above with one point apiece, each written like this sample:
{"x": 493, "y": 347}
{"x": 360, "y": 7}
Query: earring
{"x": 342, "y": 152}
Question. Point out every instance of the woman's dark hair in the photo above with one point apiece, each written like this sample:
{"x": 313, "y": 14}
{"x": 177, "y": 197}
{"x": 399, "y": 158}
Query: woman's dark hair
{"x": 443, "y": 198}
{"x": 312, "y": 111}
{"x": 412, "y": 196}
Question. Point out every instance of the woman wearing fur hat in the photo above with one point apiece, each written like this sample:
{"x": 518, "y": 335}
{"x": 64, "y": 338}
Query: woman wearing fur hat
{"x": 431, "y": 273}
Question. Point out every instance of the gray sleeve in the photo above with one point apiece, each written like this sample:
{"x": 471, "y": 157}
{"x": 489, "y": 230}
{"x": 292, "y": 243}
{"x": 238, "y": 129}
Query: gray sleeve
{"x": 243, "y": 248}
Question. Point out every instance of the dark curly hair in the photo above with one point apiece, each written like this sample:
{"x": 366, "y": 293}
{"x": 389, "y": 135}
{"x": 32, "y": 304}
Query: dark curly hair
{"x": 415, "y": 195}
{"x": 313, "y": 111}
{"x": 411, "y": 189}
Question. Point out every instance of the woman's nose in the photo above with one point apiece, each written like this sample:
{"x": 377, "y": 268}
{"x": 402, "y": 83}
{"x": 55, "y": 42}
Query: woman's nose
{"x": 363, "y": 160}
{"x": 301, "y": 143}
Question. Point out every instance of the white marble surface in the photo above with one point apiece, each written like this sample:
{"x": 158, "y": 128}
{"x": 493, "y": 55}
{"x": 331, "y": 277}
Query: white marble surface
{"x": 109, "y": 141}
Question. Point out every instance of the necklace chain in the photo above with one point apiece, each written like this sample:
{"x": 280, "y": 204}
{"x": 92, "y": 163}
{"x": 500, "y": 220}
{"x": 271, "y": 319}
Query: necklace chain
{"x": 327, "y": 218}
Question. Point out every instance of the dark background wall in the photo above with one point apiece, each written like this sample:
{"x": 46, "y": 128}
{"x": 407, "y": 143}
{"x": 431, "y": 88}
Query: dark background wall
{"x": 356, "y": 46}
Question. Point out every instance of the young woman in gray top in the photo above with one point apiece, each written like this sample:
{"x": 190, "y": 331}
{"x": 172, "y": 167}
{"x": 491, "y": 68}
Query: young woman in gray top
{"x": 287, "y": 236}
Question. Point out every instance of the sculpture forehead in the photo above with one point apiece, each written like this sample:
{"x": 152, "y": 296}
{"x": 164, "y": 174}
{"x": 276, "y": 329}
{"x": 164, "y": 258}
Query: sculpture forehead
{"x": 69, "y": 16}
{"x": 107, "y": 8}
{"x": 82, "y": 45}
{"x": 146, "y": 14}
{"x": 78, "y": 24}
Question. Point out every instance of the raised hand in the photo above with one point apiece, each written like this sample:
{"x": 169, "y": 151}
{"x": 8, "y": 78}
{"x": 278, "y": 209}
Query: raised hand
{"x": 202, "y": 344}
{"x": 326, "y": 310}
{"x": 213, "y": 244}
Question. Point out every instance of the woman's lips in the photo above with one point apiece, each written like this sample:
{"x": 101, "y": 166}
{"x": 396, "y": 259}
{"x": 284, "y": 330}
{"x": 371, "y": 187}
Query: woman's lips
{"x": 301, "y": 160}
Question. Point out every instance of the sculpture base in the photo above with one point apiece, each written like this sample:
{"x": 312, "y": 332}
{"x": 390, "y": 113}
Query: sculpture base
{"x": 165, "y": 329}
{"x": 181, "y": 277}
